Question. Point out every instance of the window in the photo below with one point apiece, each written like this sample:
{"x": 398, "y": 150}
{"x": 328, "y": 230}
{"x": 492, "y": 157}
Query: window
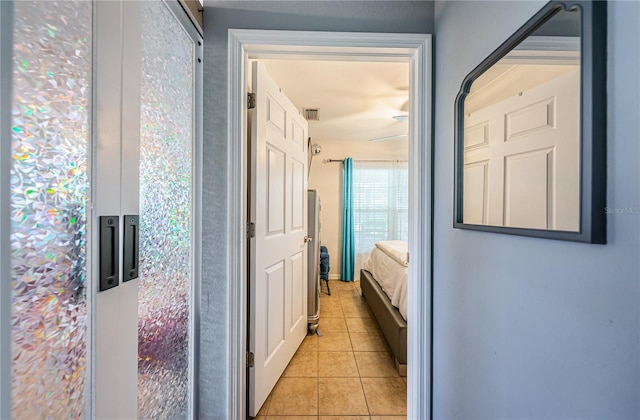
{"x": 380, "y": 204}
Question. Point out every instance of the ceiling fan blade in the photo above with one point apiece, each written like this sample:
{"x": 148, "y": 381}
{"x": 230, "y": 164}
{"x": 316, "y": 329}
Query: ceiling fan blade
{"x": 401, "y": 118}
{"x": 397, "y": 136}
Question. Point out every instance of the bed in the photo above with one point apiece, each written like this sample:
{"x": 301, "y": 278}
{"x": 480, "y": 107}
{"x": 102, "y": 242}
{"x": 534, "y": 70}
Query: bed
{"x": 383, "y": 281}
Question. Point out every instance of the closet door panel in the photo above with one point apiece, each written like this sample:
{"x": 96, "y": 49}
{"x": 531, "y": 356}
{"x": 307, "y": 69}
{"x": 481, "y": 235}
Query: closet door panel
{"x": 165, "y": 293}
{"x": 50, "y": 139}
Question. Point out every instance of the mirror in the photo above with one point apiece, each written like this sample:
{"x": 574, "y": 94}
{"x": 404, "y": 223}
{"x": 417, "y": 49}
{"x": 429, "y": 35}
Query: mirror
{"x": 530, "y": 130}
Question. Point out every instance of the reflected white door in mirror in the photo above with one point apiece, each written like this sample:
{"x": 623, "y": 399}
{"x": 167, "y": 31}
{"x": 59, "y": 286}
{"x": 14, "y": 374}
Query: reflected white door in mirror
{"x": 521, "y": 156}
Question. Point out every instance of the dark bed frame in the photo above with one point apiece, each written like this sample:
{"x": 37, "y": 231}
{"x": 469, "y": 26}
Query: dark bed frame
{"x": 393, "y": 326}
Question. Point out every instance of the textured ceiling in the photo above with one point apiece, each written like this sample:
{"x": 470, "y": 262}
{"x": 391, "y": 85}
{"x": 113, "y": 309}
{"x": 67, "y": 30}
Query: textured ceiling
{"x": 357, "y": 100}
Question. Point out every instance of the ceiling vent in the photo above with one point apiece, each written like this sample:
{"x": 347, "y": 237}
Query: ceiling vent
{"x": 311, "y": 114}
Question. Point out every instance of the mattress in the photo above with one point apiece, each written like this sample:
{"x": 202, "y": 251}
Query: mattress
{"x": 389, "y": 267}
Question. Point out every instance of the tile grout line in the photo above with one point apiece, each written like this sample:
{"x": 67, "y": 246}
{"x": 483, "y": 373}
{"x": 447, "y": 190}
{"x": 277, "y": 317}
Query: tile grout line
{"x": 364, "y": 394}
{"x": 352, "y": 352}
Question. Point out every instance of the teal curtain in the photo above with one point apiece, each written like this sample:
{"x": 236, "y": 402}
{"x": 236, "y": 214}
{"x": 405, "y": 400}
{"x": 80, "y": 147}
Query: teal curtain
{"x": 348, "y": 234}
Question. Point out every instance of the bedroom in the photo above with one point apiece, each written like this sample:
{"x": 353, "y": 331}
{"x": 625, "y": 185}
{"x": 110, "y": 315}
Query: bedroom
{"x": 357, "y": 102}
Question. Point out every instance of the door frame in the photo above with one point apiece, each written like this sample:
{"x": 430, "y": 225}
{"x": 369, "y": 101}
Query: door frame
{"x": 414, "y": 49}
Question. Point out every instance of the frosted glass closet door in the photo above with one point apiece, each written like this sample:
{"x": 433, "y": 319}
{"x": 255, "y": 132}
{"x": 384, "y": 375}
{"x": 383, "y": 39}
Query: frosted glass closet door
{"x": 50, "y": 126}
{"x": 75, "y": 351}
{"x": 155, "y": 96}
{"x": 167, "y": 122}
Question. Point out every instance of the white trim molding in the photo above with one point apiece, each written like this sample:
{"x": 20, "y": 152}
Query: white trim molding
{"x": 553, "y": 50}
{"x": 414, "y": 49}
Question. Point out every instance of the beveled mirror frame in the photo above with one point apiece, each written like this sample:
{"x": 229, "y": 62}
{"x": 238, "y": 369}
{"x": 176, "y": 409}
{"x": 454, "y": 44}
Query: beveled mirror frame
{"x": 593, "y": 117}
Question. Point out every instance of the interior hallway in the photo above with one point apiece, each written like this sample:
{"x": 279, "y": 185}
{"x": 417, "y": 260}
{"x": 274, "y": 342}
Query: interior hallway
{"x": 348, "y": 371}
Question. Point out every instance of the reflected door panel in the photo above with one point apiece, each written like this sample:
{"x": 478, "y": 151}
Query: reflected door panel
{"x": 522, "y": 160}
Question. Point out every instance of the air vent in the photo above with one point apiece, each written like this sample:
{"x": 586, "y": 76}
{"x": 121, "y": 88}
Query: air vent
{"x": 311, "y": 114}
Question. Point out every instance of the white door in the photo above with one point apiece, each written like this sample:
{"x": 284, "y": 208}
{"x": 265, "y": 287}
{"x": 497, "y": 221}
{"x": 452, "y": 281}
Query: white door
{"x": 278, "y": 286}
{"x": 527, "y": 143}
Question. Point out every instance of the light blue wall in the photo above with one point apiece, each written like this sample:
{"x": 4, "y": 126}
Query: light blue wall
{"x": 341, "y": 16}
{"x": 524, "y": 327}
{"x": 534, "y": 328}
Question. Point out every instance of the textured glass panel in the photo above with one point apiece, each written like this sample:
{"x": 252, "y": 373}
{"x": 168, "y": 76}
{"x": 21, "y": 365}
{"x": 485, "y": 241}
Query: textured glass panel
{"x": 50, "y": 132}
{"x": 166, "y": 215}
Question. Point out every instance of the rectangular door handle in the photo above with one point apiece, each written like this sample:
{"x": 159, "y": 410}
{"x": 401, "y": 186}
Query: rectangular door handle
{"x": 109, "y": 244}
{"x": 130, "y": 252}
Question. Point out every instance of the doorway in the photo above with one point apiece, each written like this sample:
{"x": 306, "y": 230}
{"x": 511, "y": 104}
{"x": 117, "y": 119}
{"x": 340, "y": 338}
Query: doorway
{"x": 355, "y": 103}
{"x": 410, "y": 48}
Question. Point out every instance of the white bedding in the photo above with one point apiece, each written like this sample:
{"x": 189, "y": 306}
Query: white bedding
{"x": 388, "y": 263}
{"x": 398, "y": 250}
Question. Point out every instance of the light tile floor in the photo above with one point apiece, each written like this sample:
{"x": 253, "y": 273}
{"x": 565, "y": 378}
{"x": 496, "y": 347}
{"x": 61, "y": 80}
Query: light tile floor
{"x": 347, "y": 373}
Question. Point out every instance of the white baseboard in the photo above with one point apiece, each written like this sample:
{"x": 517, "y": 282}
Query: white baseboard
{"x": 334, "y": 276}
